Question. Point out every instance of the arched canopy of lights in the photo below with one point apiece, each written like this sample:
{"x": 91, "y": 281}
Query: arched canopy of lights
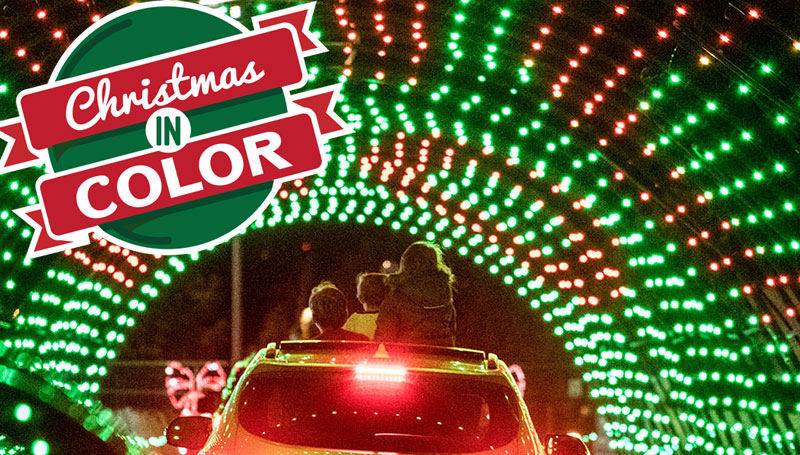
{"x": 627, "y": 167}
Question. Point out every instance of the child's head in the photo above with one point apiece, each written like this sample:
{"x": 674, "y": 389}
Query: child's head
{"x": 423, "y": 257}
{"x": 328, "y": 306}
{"x": 371, "y": 290}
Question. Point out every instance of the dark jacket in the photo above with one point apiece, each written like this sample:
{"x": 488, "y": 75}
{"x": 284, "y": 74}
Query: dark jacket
{"x": 417, "y": 310}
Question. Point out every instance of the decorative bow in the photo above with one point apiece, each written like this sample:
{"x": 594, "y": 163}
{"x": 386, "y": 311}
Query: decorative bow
{"x": 185, "y": 388}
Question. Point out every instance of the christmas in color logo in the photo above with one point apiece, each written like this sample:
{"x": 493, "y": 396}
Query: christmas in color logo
{"x": 169, "y": 126}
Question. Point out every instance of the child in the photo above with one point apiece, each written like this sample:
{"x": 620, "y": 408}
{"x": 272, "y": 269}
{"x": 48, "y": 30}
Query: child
{"x": 419, "y": 307}
{"x": 370, "y": 292}
{"x": 329, "y": 311}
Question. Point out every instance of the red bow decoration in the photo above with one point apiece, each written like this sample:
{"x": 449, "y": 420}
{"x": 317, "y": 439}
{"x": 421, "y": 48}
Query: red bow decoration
{"x": 185, "y": 388}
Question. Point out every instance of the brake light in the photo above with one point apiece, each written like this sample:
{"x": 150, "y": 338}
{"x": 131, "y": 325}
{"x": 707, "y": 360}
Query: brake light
{"x": 382, "y": 373}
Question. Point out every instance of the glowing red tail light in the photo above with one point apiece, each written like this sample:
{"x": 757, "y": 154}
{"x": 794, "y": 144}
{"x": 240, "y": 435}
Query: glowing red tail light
{"x": 382, "y": 373}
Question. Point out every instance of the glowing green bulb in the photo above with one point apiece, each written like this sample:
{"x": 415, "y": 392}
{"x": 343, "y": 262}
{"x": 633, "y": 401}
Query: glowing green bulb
{"x": 40, "y": 447}
{"x": 766, "y": 69}
{"x": 22, "y": 412}
{"x": 744, "y": 89}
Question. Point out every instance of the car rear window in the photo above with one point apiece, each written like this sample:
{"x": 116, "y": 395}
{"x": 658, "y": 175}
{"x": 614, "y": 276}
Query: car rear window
{"x": 327, "y": 409}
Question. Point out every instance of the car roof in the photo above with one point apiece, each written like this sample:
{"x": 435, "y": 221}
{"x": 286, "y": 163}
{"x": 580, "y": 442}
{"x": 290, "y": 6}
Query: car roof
{"x": 352, "y": 353}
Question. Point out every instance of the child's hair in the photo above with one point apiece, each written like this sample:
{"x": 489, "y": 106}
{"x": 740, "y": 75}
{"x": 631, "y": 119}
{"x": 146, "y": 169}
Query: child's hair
{"x": 371, "y": 288}
{"x": 328, "y": 305}
{"x": 424, "y": 257}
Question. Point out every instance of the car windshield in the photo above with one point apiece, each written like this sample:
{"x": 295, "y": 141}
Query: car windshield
{"x": 327, "y": 409}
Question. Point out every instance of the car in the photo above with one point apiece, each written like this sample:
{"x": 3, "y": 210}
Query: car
{"x": 345, "y": 397}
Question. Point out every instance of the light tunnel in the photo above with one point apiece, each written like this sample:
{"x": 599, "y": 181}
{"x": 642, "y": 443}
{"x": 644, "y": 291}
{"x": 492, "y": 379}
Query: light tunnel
{"x": 628, "y": 168}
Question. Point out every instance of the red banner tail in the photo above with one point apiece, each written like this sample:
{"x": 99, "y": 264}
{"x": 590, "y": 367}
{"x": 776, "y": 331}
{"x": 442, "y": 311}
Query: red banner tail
{"x": 322, "y": 101}
{"x": 300, "y": 18}
{"x": 42, "y": 243}
{"x": 16, "y": 154}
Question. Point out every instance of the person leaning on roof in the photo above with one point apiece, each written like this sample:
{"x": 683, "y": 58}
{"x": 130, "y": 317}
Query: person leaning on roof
{"x": 329, "y": 311}
{"x": 371, "y": 290}
{"x": 419, "y": 307}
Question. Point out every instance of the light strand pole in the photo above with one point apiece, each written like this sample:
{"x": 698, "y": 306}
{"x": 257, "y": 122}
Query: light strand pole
{"x": 236, "y": 299}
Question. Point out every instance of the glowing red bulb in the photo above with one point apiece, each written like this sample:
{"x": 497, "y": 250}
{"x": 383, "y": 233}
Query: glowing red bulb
{"x": 545, "y": 30}
{"x": 620, "y": 10}
{"x": 663, "y": 34}
{"x": 598, "y": 30}
{"x": 637, "y": 53}
{"x": 537, "y": 46}
{"x": 681, "y": 11}
{"x": 340, "y": 11}
{"x": 583, "y": 50}
{"x": 766, "y": 319}
{"x": 388, "y": 39}
{"x": 558, "y": 9}
{"x": 420, "y": 6}
{"x": 790, "y": 312}
{"x": 21, "y": 52}
{"x": 753, "y": 13}
{"x": 58, "y": 34}
{"x": 3, "y": 34}
{"x": 96, "y": 17}
{"x": 622, "y": 71}
{"x": 378, "y": 17}
{"x": 41, "y": 14}
{"x": 36, "y": 67}
{"x": 573, "y": 63}
{"x": 724, "y": 38}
